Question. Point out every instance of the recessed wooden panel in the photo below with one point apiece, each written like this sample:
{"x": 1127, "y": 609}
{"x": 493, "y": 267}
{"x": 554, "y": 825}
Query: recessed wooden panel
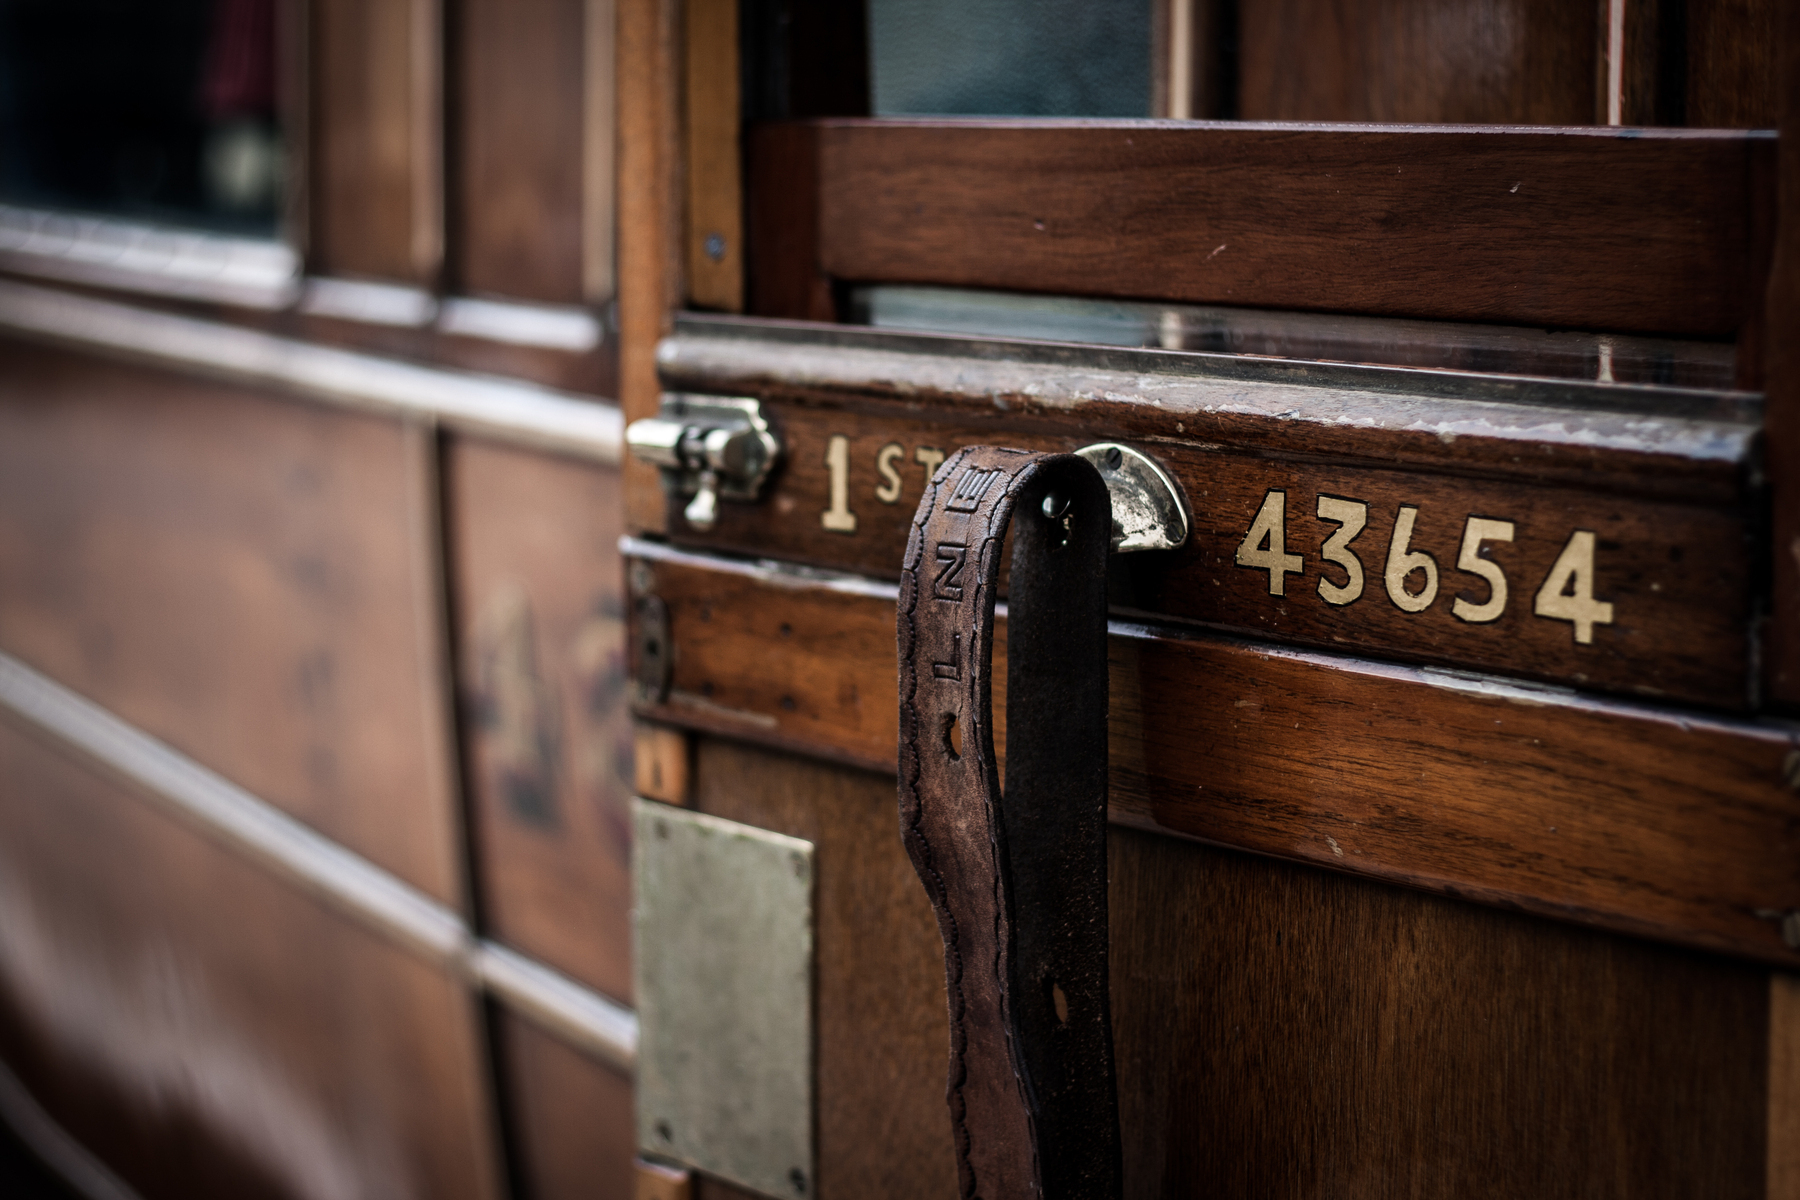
{"x": 541, "y": 637}
{"x": 1733, "y": 63}
{"x": 1660, "y": 824}
{"x": 1586, "y": 229}
{"x": 1282, "y": 1032}
{"x": 519, "y": 171}
{"x": 376, "y": 195}
{"x": 1504, "y": 62}
{"x": 570, "y": 1119}
{"x": 206, "y": 1029}
{"x": 883, "y": 1130}
{"x": 244, "y": 576}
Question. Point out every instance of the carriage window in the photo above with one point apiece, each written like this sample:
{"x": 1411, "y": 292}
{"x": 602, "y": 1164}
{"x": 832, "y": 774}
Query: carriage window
{"x": 161, "y": 112}
{"x": 1018, "y": 58}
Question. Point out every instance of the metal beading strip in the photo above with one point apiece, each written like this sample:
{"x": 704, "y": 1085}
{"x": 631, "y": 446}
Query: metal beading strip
{"x": 518, "y": 411}
{"x": 348, "y": 882}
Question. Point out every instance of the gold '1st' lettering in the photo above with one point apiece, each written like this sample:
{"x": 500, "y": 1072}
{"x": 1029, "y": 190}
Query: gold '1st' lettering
{"x": 888, "y": 490}
{"x": 838, "y": 518}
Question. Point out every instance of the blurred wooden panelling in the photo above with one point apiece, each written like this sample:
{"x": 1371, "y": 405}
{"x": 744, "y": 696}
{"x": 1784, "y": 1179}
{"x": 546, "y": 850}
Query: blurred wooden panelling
{"x": 376, "y": 191}
{"x": 242, "y": 576}
{"x": 518, "y": 137}
{"x": 573, "y": 1130}
{"x": 541, "y": 661}
{"x": 208, "y": 1030}
{"x": 1506, "y": 62}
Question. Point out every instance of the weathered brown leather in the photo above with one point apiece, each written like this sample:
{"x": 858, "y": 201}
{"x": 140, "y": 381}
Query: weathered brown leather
{"x": 1018, "y": 878}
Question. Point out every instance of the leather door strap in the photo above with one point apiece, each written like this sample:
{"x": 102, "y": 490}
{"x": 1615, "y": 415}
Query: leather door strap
{"x": 1018, "y": 877}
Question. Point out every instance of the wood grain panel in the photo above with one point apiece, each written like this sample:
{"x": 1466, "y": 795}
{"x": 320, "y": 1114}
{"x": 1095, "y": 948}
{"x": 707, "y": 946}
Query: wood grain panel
{"x": 881, "y": 1028}
{"x": 714, "y": 238}
{"x": 1591, "y": 229}
{"x": 1677, "y": 573}
{"x": 376, "y": 125}
{"x": 1286, "y": 1033}
{"x": 1784, "y": 1086}
{"x": 573, "y": 1127}
{"x": 206, "y": 1029}
{"x": 1783, "y": 358}
{"x": 649, "y": 236}
{"x": 247, "y": 578}
{"x": 1658, "y": 824}
{"x": 541, "y": 668}
{"x": 1734, "y": 63}
{"x": 518, "y": 148}
{"x": 1503, "y": 62}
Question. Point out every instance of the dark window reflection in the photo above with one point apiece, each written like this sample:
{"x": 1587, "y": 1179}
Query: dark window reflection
{"x": 158, "y": 110}
{"x": 1025, "y": 58}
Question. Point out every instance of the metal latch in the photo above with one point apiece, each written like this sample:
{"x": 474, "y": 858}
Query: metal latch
{"x": 710, "y": 448}
{"x": 1146, "y": 505}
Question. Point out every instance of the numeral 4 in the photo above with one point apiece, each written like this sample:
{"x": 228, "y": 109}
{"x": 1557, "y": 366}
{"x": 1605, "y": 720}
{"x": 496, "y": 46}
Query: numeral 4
{"x": 1264, "y": 548}
{"x": 1568, "y": 592}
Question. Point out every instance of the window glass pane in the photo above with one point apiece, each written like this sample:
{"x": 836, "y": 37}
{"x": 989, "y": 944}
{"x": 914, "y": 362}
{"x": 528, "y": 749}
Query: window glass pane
{"x": 164, "y": 110}
{"x": 1027, "y": 58}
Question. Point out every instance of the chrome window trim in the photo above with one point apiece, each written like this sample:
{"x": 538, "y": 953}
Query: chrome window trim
{"x": 194, "y": 264}
{"x": 586, "y": 426}
{"x": 354, "y": 886}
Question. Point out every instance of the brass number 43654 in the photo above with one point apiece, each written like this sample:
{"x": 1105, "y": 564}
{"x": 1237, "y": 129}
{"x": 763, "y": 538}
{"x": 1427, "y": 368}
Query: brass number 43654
{"x": 1410, "y": 577}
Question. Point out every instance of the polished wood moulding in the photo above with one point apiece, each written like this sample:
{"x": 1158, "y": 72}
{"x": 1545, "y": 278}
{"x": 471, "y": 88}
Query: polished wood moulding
{"x": 1646, "y": 230}
{"x": 1664, "y": 825}
{"x": 1372, "y": 510}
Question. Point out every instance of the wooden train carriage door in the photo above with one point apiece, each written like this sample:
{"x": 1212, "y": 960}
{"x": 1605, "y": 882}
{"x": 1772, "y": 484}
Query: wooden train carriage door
{"x": 1454, "y": 846}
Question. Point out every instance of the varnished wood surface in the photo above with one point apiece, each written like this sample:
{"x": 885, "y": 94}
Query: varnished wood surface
{"x": 1783, "y": 358}
{"x": 376, "y": 196}
{"x": 571, "y": 1125}
{"x": 1664, "y": 825}
{"x": 1583, "y": 229}
{"x": 1678, "y": 575}
{"x": 245, "y": 577}
{"x": 1668, "y": 500}
{"x": 1784, "y": 1086}
{"x": 1734, "y": 63}
{"x": 649, "y": 237}
{"x": 1501, "y": 62}
{"x": 540, "y": 622}
{"x": 518, "y": 153}
{"x": 1286, "y": 1033}
{"x": 206, "y": 1029}
{"x": 713, "y": 239}
{"x": 783, "y": 198}
{"x": 883, "y": 1130}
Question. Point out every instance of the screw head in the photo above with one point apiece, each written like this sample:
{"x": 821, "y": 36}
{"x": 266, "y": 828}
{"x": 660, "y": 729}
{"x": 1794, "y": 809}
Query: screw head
{"x": 714, "y": 247}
